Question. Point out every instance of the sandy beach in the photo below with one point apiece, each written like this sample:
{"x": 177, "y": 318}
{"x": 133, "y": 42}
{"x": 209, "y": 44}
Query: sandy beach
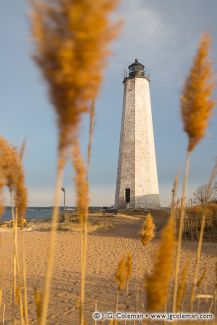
{"x": 105, "y": 248}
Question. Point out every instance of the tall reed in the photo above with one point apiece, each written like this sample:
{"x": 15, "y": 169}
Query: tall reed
{"x": 82, "y": 206}
{"x": 12, "y": 175}
{"x": 196, "y": 109}
{"x": 22, "y": 244}
{"x": 22, "y": 149}
{"x": 196, "y": 268}
{"x": 72, "y": 57}
{"x": 158, "y": 282}
{"x": 209, "y": 189}
{"x": 91, "y": 128}
{"x": 182, "y": 286}
{"x": 122, "y": 276}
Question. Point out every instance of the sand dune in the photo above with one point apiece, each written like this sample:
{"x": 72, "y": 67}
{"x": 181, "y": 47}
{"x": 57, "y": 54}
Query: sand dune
{"x": 105, "y": 248}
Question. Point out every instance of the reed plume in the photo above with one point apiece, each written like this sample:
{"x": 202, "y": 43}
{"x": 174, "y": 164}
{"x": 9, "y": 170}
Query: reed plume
{"x": 196, "y": 109}
{"x": 158, "y": 282}
{"x": 196, "y": 103}
{"x": 124, "y": 271}
{"x": 71, "y": 52}
{"x": 147, "y": 231}
{"x": 12, "y": 176}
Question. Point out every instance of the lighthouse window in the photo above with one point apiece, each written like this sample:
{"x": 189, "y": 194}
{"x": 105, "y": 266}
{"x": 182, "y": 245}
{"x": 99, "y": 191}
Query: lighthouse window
{"x": 127, "y": 195}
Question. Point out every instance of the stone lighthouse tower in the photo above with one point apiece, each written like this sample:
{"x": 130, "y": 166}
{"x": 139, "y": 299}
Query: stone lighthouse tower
{"x": 137, "y": 181}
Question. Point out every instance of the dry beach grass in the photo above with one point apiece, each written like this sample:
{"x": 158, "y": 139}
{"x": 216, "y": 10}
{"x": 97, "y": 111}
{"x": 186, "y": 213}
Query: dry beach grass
{"x": 150, "y": 275}
{"x": 105, "y": 248}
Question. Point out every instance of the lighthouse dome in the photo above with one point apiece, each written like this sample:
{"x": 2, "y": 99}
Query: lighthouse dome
{"x": 136, "y": 69}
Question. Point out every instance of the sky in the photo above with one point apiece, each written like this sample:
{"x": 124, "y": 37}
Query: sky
{"x": 164, "y": 36}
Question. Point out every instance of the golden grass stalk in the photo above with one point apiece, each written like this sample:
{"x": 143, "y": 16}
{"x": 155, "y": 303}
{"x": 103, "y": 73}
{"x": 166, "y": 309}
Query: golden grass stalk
{"x": 147, "y": 232}
{"x": 182, "y": 287}
{"x": 214, "y": 296}
{"x": 129, "y": 270}
{"x": 17, "y": 294}
{"x": 216, "y": 276}
{"x": 0, "y": 298}
{"x": 201, "y": 278}
{"x": 22, "y": 149}
{"x": 52, "y": 241}
{"x": 117, "y": 301}
{"x": 3, "y": 315}
{"x": 25, "y": 306}
{"x": 72, "y": 55}
{"x": 14, "y": 257}
{"x": 158, "y": 282}
{"x": 211, "y": 184}
{"x": 196, "y": 109}
{"x": 112, "y": 322}
{"x": 124, "y": 271}
{"x": 12, "y": 174}
{"x": 196, "y": 103}
{"x": 38, "y": 303}
{"x": 96, "y": 308}
{"x": 137, "y": 296}
{"x": 180, "y": 229}
{"x": 196, "y": 268}
{"x": 214, "y": 300}
{"x": 91, "y": 129}
{"x": 82, "y": 206}
{"x": 11, "y": 171}
{"x": 198, "y": 255}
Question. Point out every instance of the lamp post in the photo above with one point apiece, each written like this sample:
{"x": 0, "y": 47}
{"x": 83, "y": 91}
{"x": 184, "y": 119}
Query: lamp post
{"x": 64, "y": 198}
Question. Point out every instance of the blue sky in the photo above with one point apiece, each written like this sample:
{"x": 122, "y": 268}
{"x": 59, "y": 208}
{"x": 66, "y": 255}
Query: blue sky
{"x": 164, "y": 36}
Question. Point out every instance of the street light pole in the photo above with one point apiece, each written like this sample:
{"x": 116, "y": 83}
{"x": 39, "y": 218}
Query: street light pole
{"x": 64, "y": 199}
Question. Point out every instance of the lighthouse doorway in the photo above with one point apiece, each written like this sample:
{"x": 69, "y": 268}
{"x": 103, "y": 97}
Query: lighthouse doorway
{"x": 127, "y": 195}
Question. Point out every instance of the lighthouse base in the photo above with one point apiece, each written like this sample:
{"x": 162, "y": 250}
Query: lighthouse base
{"x": 150, "y": 201}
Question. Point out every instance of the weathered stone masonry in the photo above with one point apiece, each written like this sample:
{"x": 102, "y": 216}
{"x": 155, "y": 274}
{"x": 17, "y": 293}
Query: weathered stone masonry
{"x": 137, "y": 182}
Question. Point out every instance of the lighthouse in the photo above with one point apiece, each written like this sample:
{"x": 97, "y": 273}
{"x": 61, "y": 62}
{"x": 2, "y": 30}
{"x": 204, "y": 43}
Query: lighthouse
{"x": 137, "y": 180}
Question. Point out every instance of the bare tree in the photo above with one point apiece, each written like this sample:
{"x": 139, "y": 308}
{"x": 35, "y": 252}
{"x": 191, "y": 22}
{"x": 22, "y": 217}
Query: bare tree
{"x": 204, "y": 194}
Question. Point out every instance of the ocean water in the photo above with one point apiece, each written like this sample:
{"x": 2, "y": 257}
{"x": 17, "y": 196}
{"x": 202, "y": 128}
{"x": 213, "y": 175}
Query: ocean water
{"x": 32, "y": 213}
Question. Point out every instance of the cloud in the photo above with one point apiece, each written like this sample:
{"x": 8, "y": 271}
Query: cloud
{"x": 143, "y": 32}
{"x": 147, "y": 35}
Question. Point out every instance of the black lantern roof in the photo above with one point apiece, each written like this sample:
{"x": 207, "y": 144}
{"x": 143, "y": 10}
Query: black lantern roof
{"x": 136, "y": 69}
